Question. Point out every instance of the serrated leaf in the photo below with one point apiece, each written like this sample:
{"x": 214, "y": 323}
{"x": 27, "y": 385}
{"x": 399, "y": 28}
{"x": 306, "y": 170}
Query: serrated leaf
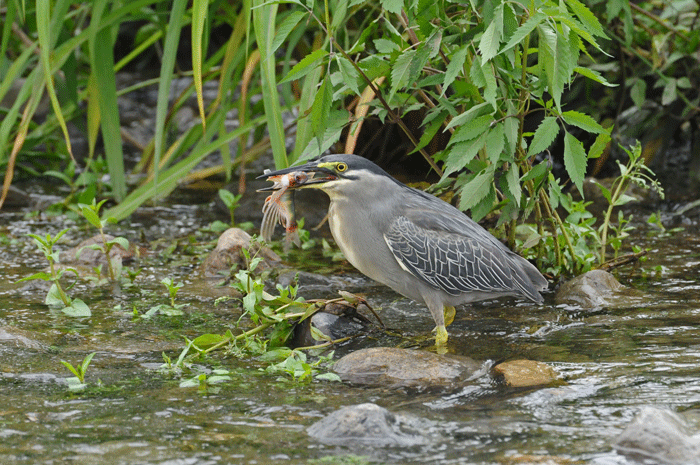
{"x": 583, "y": 121}
{"x": 386, "y": 46}
{"x": 400, "y": 72}
{"x": 461, "y": 154}
{"x": 321, "y": 108}
{"x": 350, "y": 75}
{"x": 429, "y": 132}
{"x": 285, "y": 27}
{"x": 526, "y": 28}
{"x": 495, "y": 141}
{"x": 468, "y": 115}
{"x": 305, "y": 66}
{"x": 513, "y": 182}
{"x": 544, "y": 136}
{"x": 490, "y": 40}
{"x": 587, "y": 18}
{"x": 575, "y": 160}
{"x": 537, "y": 172}
{"x": 476, "y": 189}
{"x": 593, "y": 75}
{"x": 454, "y": 67}
{"x": 491, "y": 85}
{"x": 40, "y": 275}
{"x": 476, "y": 74}
{"x": 472, "y": 129}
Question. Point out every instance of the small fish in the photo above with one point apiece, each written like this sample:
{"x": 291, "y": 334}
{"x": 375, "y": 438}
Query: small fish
{"x": 279, "y": 208}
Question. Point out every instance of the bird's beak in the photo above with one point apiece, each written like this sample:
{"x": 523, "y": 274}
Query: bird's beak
{"x": 314, "y": 175}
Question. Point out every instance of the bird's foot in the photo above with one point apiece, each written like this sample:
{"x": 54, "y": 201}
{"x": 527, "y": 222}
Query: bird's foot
{"x": 449, "y": 312}
{"x": 440, "y": 336}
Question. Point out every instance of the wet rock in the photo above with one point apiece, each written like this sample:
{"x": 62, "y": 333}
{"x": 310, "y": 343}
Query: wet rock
{"x": 229, "y": 253}
{"x": 82, "y": 254}
{"x": 15, "y": 337}
{"x": 330, "y": 325}
{"x": 394, "y": 367}
{"x": 659, "y": 436}
{"x": 594, "y": 289}
{"x": 526, "y": 373}
{"x": 369, "y": 424}
{"x": 17, "y": 198}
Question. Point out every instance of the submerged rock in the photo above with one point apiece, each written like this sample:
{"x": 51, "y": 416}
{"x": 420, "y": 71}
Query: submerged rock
{"x": 394, "y": 367}
{"x": 330, "y": 325}
{"x": 228, "y": 254}
{"x": 526, "y": 373}
{"x": 15, "y": 337}
{"x": 659, "y": 436}
{"x": 594, "y": 289}
{"x": 369, "y": 424}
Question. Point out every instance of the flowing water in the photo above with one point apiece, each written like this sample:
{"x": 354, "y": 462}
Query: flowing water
{"x": 612, "y": 361}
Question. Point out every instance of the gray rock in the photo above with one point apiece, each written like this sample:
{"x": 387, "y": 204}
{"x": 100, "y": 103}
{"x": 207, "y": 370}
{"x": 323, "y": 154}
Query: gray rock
{"x": 369, "y": 424}
{"x": 82, "y": 254}
{"x": 660, "y": 436}
{"x": 228, "y": 253}
{"x": 15, "y": 337}
{"x": 594, "y": 289}
{"x": 394, "y": 367}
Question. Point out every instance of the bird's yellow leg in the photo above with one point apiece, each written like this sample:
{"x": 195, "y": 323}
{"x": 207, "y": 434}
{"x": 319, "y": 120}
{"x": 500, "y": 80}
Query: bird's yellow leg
{"x": 449, "y": 312}
{"x": 440, "y": 336}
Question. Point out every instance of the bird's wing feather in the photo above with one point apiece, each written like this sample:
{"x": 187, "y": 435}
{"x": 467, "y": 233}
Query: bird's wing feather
{"x": 454, "y": 263}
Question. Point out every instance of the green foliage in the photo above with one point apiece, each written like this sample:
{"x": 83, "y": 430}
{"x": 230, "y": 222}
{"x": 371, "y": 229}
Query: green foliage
{"x": 231, "y": 202}
{"x": 56, "y": 297}
{"x": 114, "y": 262}
{"x": 77, "y": 383}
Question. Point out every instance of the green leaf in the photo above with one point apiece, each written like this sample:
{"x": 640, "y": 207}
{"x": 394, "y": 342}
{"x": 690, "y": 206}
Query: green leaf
{"x": 593, "y": 75}
{"x": 537, "y": 172}
{"x": 468, "y": 115}
{"x": 328, "y": 377}
{"x": 351, "y": 77}
{"x": 669, "y": 94}
{"x": 91, "y": 216}
{"x": 78, "y": 309}
{"x": 40, "y": 275}
{"x": 461, "y": 154}
{"x": 392, "y": 6}
{"x": 601, "y": 142}
{"x": 400, "y": 72}
{"x": 53, "y": 297}
{"x": 386, "y": 46}
{"x": 575, "y": 160}
{"x": 472, "y": 129}
{"x": 208, "y": 340}
{"x": 583, "y": 121}
{"x": 430, "y": 131}
{"x": 455, "y": 67}
{"x": 638, "y": 92}
{"x": 305, "y": 66}
{"x": 513, "y": 182}
{"x": 495, "y": 141}
{"x": 321, "y": 108}
{"x": 490, "y": 40}
{"x": 285, "y": 27}
{"x": 544, "y": 136}
{"x": 605, "y": 191}
{"x": 120, "y": 241}
{"x": 526, "y": 28}
{"x": 476, "y": 189}
{"x": 491, "y": 85}
{"x": 588, "y": 19}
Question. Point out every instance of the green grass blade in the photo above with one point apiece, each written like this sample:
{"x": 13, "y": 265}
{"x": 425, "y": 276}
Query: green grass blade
{"x": 43, "y": 25}
{"x": 264, "y": 22}
{"x": 170, "y": 178}
{"x": 102, "y": 64}
{"x": 199, "y": 16}
{"x": 172, "y": 38}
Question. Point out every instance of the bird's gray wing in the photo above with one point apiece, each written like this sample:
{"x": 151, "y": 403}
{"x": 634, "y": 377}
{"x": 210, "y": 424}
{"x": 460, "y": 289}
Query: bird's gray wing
{"x": 454, "y": 263}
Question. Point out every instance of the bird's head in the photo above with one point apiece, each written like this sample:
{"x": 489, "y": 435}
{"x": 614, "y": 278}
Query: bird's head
{"x": 333, "y": 173}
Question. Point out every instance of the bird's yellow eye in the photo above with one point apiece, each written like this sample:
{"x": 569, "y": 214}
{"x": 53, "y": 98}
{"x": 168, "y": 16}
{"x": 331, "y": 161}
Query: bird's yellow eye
{"x": 341, "y": 167}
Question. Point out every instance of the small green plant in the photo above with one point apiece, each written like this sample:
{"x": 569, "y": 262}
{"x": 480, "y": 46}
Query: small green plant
{"x": 57, "y": 297}
{"x": 77, "y": 383}
{"x": 171, "y": 309}
{"x": 231, "y": 202}
{"x": 205, "y": 382}
{"x": 114, "y": 262}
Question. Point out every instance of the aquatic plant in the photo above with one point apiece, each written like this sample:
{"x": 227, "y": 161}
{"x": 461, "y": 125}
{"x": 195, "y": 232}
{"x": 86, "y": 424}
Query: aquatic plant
{"x": 77, "y": 383}
{"x": 57, "y": 297}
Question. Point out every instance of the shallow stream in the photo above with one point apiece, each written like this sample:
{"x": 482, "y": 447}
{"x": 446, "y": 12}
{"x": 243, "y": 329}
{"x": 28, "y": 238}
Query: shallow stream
{"x": 612, "y": 362}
